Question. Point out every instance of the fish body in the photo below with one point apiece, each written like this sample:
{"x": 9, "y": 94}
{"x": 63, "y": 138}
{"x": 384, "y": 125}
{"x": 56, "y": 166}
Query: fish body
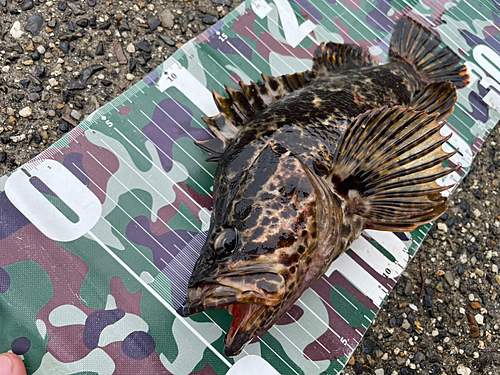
{"x": 307, "y": 161}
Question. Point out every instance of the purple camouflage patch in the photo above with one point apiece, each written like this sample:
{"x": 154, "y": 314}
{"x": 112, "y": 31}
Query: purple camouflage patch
{"x": 96, "y": 322}
{"x": 138, "y": 345}
{"x": 4, "y": 280}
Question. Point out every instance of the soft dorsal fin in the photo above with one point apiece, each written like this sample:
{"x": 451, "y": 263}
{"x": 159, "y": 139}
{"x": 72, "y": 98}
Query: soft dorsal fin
{"x": 244, "y": 103}
{"x": 386, "y": 166}
{"x": 335, "y": 57}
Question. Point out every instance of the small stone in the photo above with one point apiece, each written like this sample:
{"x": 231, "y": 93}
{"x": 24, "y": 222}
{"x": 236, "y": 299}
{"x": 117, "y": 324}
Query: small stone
{"x": 3, "y": 156}
{"x": 62, "y": 6}
{"x": 64, "y": 47}
{"x": 379, "y": 371}
{"x": 27, "y": 5}
{"x": 89, "y": 71}
{"x": 209, "y": 19}
{"x": 83, "y": 23}
{"x": 25, "y": 112}
{"x": 100, "y": 49}
{"x": 153, "y": 23}
{"x": 130, "y": 77}
{"x": 60, "y": 106}
{"x": 497, "y": 279}
{"x": 167, "y": 40}
{"x": 74, "y": 85}
{"x": 120, "y": 55}
{"x": 442, "y": 227}
{"x": 33, "y": 97}
{"x": 31, "y": 47}
{"x": 449, "y": 278}
{"x": 76, "y": 115}
{"x": 462, "y": 370}
{"x": 144, "y": 46}
{"x": 479, "y": 272}
{"x": 495, "y": 182}
{"x": 11, "y": 121}
{"x": 130, "y": 48}
{"x": 439, "y": 287}
{"x": 16, "y": 31}
{"x": 406, "y": 325}
{"x": 475, "y": 305}
{"x": 51, "y": 113}
{"x": 34, "y": 25}
{"x": 479, "y": 319}
{"x": 106, "y": 83}
{"x": 53, "y": 82}
{"x": 167, "y": 19}
{"x": 439, "y": 273}
{"x": 64, "y": 127}
{"x": 367, "y": 345}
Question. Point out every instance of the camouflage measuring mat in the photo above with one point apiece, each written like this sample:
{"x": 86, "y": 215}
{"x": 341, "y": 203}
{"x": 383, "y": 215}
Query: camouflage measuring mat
{"x": 99, "y": 233}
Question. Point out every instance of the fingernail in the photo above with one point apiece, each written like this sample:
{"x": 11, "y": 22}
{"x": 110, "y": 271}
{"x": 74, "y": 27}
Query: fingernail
{"x": 5, "y": 365}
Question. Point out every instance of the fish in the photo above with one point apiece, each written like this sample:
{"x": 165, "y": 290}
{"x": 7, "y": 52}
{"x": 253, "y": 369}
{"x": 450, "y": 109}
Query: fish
{"x": 307, "y": 161}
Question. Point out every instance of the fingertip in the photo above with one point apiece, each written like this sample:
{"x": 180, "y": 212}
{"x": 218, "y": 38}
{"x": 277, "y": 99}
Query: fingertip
{"x": 11, "y": 364}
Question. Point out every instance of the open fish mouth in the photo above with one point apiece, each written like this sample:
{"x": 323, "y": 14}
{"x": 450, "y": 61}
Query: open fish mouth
{"x": 245, "y": 307}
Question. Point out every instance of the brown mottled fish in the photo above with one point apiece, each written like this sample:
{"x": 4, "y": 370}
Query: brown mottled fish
{"x": 307, "y": 161}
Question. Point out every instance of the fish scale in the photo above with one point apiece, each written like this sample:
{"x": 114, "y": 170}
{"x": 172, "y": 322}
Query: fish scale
{"x": 190, "y": 91}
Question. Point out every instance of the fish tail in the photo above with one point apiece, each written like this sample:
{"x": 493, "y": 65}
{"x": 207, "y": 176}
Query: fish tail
{"x": 417, "y": 46}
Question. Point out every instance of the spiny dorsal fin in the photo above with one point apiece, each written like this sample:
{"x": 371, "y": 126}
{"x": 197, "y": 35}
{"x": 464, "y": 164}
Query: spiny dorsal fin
{"x": 439, "y": 97}
{"x": 335, "y": 57}
{"x": 386, "y": 166}
{"x": 245, "y": 103}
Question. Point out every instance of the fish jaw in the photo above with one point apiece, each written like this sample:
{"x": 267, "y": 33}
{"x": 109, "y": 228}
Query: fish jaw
{"x": 252, "y": 308}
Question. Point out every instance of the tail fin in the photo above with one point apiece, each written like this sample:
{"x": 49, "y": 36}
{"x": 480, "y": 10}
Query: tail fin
{"x": 416, "y": 45}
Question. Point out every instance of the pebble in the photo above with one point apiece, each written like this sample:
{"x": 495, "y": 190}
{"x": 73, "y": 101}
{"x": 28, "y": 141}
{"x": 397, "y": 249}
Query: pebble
{"x": 100, "y": 49}
{"x": 463, "y": 370}
{"x": 62, "y": 6}
{"x": 74, "y": 85}
{"x": 167, "y": 40}
{"x": 442, "y": 227}
{"x": 25, "y": 112}
{"x": 144, "y": 46}
{"x": 209, "y": 19}
{"x": 131, "y": 48}
{"x": 497, "y": 279}
{"x": 130, "y": 77}
{"x": 16, "y": 31}
{"x": 53, "y": 82}
{"x": 120, "y": 55}
{"x": 167, "y": 19}
{"x": 27, "y": 5}
{"x": 33, "y": 97}
{"x": 34, "y": 25}
{"x": 379, "y": 371}
{"x": 51, "y": 113}
{"x": 449, "y": 278}
{"x": 89, "y": 72}
{"x": 479, "y": 272}
{"x": 76, "y": 115}
{"x": 479, "y": 319}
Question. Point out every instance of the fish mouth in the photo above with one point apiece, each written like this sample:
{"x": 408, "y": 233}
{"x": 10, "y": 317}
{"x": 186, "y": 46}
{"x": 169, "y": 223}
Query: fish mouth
{"x": 247, "y": 308}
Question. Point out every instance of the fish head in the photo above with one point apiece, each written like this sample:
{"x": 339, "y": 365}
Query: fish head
{"x": 261, "y": 249}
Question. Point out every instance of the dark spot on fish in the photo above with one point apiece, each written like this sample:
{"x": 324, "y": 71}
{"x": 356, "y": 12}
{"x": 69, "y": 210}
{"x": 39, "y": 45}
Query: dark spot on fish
{"x": 287, "y": 262}
{"x": 292, "y": 269}
{"x": 304, "y": 233}
{"x": 266, "y": 221}
{"x": 266, "y": 196}
{"x": 301, "y": 249}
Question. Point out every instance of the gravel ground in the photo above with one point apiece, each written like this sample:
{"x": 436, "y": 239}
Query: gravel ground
{"x": 59, "y": 61}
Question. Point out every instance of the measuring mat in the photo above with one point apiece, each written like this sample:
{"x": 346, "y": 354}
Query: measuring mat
{"x": 100, "y": 232}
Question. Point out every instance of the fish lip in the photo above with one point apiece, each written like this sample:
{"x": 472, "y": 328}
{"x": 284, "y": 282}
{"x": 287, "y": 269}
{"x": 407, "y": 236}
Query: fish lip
{"x": 213, "y": 296}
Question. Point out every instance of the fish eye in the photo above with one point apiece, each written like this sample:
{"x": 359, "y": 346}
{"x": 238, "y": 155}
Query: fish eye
{"x": 225, "y": 242}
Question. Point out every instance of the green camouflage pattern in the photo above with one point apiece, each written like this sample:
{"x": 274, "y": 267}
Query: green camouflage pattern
{"x": 100, "y": 232}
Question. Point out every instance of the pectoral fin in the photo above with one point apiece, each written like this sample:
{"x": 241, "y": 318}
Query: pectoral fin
{"x": 386, "y": 167}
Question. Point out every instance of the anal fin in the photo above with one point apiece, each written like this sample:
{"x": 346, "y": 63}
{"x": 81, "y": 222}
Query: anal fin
{"x": 436, "y": 98}
{"x": 386, "y": 167}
